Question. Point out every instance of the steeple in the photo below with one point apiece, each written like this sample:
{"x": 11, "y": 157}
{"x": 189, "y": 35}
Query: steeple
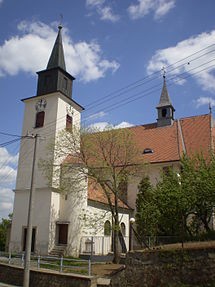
{"x": 55, "y": 78}
{"x": 165, "y": 108}
{"x": 57, "y": 55}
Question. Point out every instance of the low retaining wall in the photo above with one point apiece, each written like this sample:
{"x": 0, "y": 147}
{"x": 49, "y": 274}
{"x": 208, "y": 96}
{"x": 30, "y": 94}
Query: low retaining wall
{"x": 194, "y": 267}
{"x": 14, "y": 275}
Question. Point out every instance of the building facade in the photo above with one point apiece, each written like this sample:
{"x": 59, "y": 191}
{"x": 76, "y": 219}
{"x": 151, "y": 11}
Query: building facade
{"x": 60, "y": 219}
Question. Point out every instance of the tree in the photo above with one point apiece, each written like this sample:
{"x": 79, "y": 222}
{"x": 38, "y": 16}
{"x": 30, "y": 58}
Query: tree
{"x": 182, "y": 204}
{"x": 4, "y": 225}
{"x": 147, "y": 213}
{"x": 198, "y": 180}
{"x": 108, "y": 158}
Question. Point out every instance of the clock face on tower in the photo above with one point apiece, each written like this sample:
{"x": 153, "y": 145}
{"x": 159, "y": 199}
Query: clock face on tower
{"x": 40, "y": 105}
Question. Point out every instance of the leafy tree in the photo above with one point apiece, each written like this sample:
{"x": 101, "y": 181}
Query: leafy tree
{"x": 108, "y": 158}
{"x": 172, "y": 203}
{"x": 147, "y": 214}
{"x": 198, "y": 179}
{"x": 5, "y": 223}
{"x": 181, "y": 204}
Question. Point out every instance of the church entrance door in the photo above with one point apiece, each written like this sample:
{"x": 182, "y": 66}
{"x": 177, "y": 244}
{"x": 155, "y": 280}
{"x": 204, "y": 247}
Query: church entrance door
{"x": 63, "y": 233}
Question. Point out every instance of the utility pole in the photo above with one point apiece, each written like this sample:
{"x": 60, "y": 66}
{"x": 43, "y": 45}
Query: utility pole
{"x": 27, "y": 262}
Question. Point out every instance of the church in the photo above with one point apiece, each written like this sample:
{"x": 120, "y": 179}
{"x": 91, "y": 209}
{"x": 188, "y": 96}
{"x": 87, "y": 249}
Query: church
{"x": 59, "y": 220}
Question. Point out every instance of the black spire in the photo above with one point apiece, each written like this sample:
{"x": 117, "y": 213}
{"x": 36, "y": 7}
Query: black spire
{"x": 165, "y": 108}
{"x": 57, "y": 55}
{"x": 55, "y": 78}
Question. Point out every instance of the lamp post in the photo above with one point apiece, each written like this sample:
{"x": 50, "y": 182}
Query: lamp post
{"x": 131, "y": 221}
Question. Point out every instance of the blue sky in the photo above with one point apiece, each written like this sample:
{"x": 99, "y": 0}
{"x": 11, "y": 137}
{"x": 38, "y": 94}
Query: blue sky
{"x": 116, "y": 51}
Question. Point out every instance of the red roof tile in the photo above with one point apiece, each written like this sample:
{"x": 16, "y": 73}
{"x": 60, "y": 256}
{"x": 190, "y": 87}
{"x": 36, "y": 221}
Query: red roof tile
{"x": 191, "y": 134}
{"x": 96, "y": 193}
{"x": 167, "y": 142}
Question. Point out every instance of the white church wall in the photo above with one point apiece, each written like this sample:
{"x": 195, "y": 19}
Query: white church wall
{"x": 40, "y": 220}
{"x": 93, "y": 230}
{"x": 54, "y": 216}
{"x": 154, "y": 172}
{"x": 73, "y": 203}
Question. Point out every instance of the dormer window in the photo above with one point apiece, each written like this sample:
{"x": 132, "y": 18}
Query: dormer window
{"x": 40, "y": 116}
{"x": 148, "y": 150}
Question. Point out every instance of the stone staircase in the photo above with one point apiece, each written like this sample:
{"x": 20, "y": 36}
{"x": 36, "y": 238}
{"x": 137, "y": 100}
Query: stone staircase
{"x": 103, "y": 282}
{"x": 58, "y": 250}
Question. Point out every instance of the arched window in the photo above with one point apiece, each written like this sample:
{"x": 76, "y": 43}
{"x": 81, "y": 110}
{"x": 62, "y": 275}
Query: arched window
{"x": 68, "y": 122}
{"x": 123, "y": 228}
{"x": 40, "y": 116}
{"x": 164, "y": 113}
{"x": 107, "y": 228}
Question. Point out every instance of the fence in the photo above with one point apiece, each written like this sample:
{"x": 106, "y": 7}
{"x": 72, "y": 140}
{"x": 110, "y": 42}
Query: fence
{"x": 152, "y": 241}
{"x": 60, "y": 264}
{"x": 98, "y": 245}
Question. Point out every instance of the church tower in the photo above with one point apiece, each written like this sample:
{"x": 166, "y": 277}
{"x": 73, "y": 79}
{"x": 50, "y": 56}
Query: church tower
{"x": 47, "y": 113}
{"x": 165, "y": 108}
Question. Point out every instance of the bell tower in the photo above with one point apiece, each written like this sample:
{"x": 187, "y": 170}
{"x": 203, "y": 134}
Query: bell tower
{"x": 51, "y": 110}
{"x": 55, "y": 77}
{"x": 165, "y": 108}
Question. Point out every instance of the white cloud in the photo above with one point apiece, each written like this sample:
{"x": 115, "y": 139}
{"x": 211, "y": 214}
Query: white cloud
{"x": 94, "y": 2}
{"x": 7, "y": 175}
{"x": 83, "y": 59}
{"x": 123, "y": 125}
{"x": 101, "y": 126}
{"x": 202, "y": 101}
{"x": 96, "y": 116}
{"x": 159, "y": 7}
{"x": 6, "y": 203}
{"x": 7, "y": 180}
{"x": 196, "y": 55}
{"x": 105, "y": 12}
{"x": 6, "y": 157}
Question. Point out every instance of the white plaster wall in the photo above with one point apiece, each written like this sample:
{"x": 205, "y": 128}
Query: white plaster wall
{"x": 55, "y": 120}
{"x": 54, "y": 216}
{"x": 154, "y": 172}
{"x": 46, "y": 134}
{"x": 72, "y": 210}
{"x": 95, "y": 219}
{"x": 40, "y": 219}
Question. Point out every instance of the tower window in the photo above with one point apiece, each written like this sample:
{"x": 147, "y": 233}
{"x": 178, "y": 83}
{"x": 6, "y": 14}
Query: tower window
{"x": 40, "y": 116}
{"x": 47, "y": 80}
{"x": 68, "y": 122}
{"x": 65, "y": 83}
{"x": 164, "y": 113}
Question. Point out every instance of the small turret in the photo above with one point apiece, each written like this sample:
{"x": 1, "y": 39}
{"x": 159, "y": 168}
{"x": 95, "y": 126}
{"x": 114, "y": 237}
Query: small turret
{"x": 165, "y": 108}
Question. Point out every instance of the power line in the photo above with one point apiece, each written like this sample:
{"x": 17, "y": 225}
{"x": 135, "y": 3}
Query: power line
{"x": 123, "y": 91}
{"x": 11, "y": 135}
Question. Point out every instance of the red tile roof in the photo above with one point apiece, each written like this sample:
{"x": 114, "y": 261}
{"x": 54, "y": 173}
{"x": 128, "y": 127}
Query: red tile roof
{"x": 191, "y": 134}
{"x": 96, "y": 193}
{"x": 167, "y": 143}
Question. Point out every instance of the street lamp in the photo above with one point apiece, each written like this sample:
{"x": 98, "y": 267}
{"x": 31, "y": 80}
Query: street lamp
{"x": 131, "y": 221}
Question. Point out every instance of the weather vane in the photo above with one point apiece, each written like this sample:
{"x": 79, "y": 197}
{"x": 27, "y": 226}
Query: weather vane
{"x": 164, "y": 72}
{"x": 61, "y": 21}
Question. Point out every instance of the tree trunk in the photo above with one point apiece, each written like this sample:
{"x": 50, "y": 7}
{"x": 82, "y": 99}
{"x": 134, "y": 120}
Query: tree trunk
{"x": 116, "y": 257}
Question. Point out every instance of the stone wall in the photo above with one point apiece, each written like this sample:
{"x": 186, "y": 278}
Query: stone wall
{"x": 14, "y": 275}
{"x": 194, "y": 267}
